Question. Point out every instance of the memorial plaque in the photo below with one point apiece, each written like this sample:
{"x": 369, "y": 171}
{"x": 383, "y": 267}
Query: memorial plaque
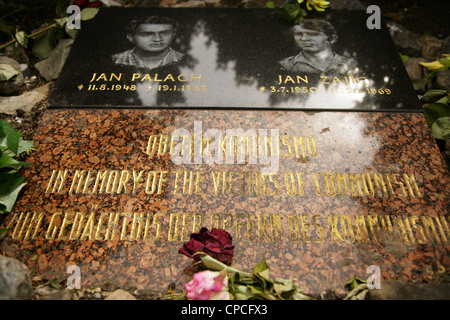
{"x": 322, "y": 194}
{"x": 233, "y": 59}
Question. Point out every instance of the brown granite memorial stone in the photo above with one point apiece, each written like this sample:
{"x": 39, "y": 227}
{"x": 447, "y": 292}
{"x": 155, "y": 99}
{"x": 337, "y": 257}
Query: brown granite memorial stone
{"x": 321, "y": 194}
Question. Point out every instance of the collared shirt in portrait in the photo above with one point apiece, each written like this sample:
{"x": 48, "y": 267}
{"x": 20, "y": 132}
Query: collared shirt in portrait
{"x": 300, "y": 64}
{"x": 129, "y": 58}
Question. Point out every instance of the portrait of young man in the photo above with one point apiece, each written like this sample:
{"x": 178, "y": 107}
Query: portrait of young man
{"x": 315, "y": 38}
{"x": 152, "y": 38}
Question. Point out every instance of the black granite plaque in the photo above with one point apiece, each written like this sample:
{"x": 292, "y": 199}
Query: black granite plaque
{"x": 229, "y": 58}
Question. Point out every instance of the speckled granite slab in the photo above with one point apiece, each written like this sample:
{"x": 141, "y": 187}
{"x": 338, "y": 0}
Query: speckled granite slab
{"x": 325, "y": 195}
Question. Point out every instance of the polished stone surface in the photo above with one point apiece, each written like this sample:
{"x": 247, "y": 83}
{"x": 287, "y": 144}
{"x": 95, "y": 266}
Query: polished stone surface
{"x": 322, "y": 234}
{"x": 231, "y": 59}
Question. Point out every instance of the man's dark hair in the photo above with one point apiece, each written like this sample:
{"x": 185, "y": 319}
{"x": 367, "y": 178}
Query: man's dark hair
{"x": 319, "y": 25}
{"x": 134, "y": 24}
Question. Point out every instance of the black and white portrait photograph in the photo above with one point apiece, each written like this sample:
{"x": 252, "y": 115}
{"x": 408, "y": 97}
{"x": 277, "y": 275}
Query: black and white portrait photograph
{"x": 238, "y": 59}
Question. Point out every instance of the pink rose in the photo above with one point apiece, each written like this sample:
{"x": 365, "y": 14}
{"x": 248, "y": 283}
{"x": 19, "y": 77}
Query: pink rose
{"x": 207, "y": 285}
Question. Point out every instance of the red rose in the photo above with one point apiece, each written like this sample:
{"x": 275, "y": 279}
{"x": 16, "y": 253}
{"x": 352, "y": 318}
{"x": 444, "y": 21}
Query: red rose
{"x": 217, "y": 244}
{"x": 87, "y": 4}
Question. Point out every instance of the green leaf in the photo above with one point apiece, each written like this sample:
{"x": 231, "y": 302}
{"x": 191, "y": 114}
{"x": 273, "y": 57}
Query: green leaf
{"x": 290, "y": 12}
{"x": 25, "y": 146}
{"x": 433, "y": 96}
{"x": 3, "y": 230}
{"x": 62, "y": 21}
{"x": 22, "y": 38}
{"x": 354, "y": 282}
{"x": 10, "y": 186}
{"x": 55, "y": 284}
{"x": 420, "y": 84}
{"x": 9, "y": 137}
{"x": 270, "y": 5}
{"x": 435, "y": 111}
{"x": 71, "y": 32}
{"x": 88, "y": 13}
{"x": 403, "y": 57}
{"x": 441, "y": 128}
{"x": 262, "y": 268}
{"x": 43, "y": 46}
{"x": 6, "y": 161}
{"x": 7, "y": 72}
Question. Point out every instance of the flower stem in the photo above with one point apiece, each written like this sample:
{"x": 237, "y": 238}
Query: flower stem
{"x": 29, "y": 36}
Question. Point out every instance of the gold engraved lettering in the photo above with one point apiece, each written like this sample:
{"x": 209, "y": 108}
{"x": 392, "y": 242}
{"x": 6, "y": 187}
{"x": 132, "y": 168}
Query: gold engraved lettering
{"x": 228, "y": 221}
{"x": 198, "y": 179}
{"x": 347, "y": 227}
{"x": 305, "y": 226}
{"x": 262, "y": 227}
{"x": 99, "y": 227}
{"x": 124, "y": 176}
{"x": 197, "y": 222}
{"x": 367, "y": 184}
{"x": 113, "y": 226}
{"x": 285, "y": 141}
{"x": 410, "y": 183}
{"x": 428, "y": 225}
{"x": 173, "y": 227}
{"x": 101, "y": 176}
{"x": 294, "y": 232}
{"x": 126, "y": 217}
{"x": 76, "y": 226}
{"x": 184, "y": 227}
{"x": 400, "y": 227}
{"x": 162, "y": 148}
{"x": 290, "y": 184}
{"x": 329, "y": 184}
{"x": 298, "y": 141}
{"x": 136, "y": 180}
{"x": 359, "y": 223}
{"x": 340, "y": 178}
{"x": 300, "y": 182}
{"x": 275, "y": 185}
{"x": 60, "y": 177}
{"x": 36, "y": 221}
{"x": 189, "y": 180}
{"x": 78, "y": 177}
{"x": 151, "y": 181}
{"x": 379, "y": 183}
{"x": 18, "y": 226}
{"x": 354, "y": 178}
{"x": 374, "y": 228}
{"x": 421, "y": 239}
{"x": 88, "y": 231}
{"x": 316, "y": 181}
{"x": 64, "y": 223}
{"x": 250, "y": 224}
{"x": 318, "y": 225}
{"x": 151, "y": 145}
{"x": 51, "y": 230}
{"x": 332, "y": 222}
{"x": 111, "y": 184}
{"x": 155, "y": 222}
{"x": 394, "y": 178}
{"x": 215, "y": 219}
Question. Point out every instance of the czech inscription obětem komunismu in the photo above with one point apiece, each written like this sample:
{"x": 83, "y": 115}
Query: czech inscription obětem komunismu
{"x": 118, "y": 187}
